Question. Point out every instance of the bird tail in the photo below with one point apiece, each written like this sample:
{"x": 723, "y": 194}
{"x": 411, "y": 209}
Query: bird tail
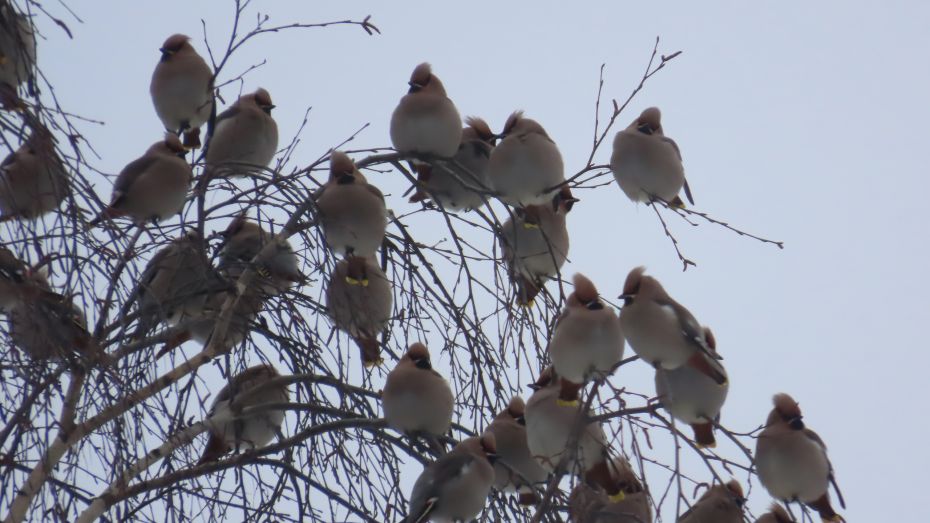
{"x": 822, "y": 506}
{"x": 109, "y": 212}
{"x": 192, "y": 138}
{"x": 704, "y": 435}
{"x": 215, "y": 448}
{"x": 371, "y": 350}
{"x": 527, "y": 290}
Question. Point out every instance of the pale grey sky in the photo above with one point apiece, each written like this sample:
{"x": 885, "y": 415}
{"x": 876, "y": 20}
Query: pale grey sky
{"x": 798, "y": 121}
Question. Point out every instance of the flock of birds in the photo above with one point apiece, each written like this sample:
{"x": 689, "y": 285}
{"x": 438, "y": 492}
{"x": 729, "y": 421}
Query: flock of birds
{"x": 458, "y": 169}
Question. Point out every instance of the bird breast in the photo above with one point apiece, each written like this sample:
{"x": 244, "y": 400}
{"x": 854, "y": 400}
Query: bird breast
{"x": 654, "y": 332}
{"x": 791, "y": 465}
{"x": 522, "y": 167}
{"x": 689, "y": 395}
{"x": 646, "y": 165}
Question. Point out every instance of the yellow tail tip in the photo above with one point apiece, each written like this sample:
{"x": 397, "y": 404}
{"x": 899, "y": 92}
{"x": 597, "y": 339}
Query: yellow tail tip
{"x": 618, "y": 497}
{"x": 706, "y": 445}
{"x": 353, "y": 281}
{"x": 528, "y": 305}
{"x": 566, "y": 403}
{"x": 528, "y": 225}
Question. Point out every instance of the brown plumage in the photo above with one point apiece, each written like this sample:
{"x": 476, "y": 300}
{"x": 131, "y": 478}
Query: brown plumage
{"x": 792, "y": 461}
{"x": 182, "y": 89}
{"x": 360, "y": 304}
{"x": 33, "y": 180}
{"x": 719, "y": 504}
{"x": 416, "y": 398}
{"x": 229, "y": 429}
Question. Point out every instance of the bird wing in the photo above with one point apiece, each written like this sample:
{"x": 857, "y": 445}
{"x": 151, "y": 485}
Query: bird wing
{"x": 129, "y": 175}
{"x": 428, "y": 487}
{"x": 832, "y": 477}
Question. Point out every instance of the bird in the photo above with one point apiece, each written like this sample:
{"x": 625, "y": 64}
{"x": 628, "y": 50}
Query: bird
{"x": 47, "y": 325}
{"x": 663, "y": 332}
{"x": 692, "y": 397}
{"x": 719, "y": 504}
{"x": 550, "y": 427}
{"x": 426, "y": 121}
{"x": 243, "y": 240}
{"x": 526, "y": 167}
{"x": 33, "y": 180}
{"x": 417, "y": 399}
{"x": 534, "y": 243}
{"x": 182, "y": 89}
{"x": 776, "y": 514}
{"x": 153, "y": 186}
{"x": 646, "y": 163}
{"x": 792, "y": 461}
{"x": 455, "y": 487}
{"x": 352, "y": 211}
{"x": 202, "y": 328}
{"x": 461, "y": 184}
{"x": 17, "y": 54}
{"x": 590, "y": 504}
{"x": 515, "y": 470}
{"x": 359, "y": 300}
{"x": 13, "y": 275}
{"x": 232, "y": 429}
{"x": 245, "y": 137}
{"x": 587, "y": 341}
{"x": 175, "y": 284}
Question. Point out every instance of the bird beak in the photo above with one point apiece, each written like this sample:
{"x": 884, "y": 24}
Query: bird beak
{"x": 796, "y": 423}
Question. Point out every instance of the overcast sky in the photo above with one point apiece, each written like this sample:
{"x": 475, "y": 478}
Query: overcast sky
{"x": 798, "y": 121}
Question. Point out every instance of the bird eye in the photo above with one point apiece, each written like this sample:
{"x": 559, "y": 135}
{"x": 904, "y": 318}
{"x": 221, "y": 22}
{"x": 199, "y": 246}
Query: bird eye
{"x": 594, "y": 305}
{"x": 645, "y": 129}
{"x": 423, "y": 363}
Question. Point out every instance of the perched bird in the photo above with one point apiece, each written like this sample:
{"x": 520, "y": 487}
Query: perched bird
{"x": 17, "y": 53}
{"x": 661, "y": 331}
{"x": 456, "y": 486}
{"x": 550, "y": 427}
{"x": 245, "y": 137}
{"x": 229, "y": 428}
{"x": 534, "y": 243}
{"x": 48, "y": 326}
{"x": 182, "y": 89}
{"x": 692, "y": 397}
{"x": 589, "y": 504}
{"x": 416, "y": 398}
{"x": 245, "y": 310}
{"x": 33, "y": 180}
{"x": 516, "y": 470}
{"x": 175, "y": 284}
{"x": 776, "y": 514}
{"x": 586, "y": 342}
{"x": 13, "y": 275}
{"x": 359, "y": 300}
{"x": 461, "y": 185}
{"x": 526, "y": 167}
{"x": 352, "y": 211}
{"x": 646, "y": 164}
{"x": 720, "y": 504}
{"x": 426, "y": 121}
{"x": 153, "y": 186}
{"x": 243, "y": 240}
{"x": 792, "y": 461}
